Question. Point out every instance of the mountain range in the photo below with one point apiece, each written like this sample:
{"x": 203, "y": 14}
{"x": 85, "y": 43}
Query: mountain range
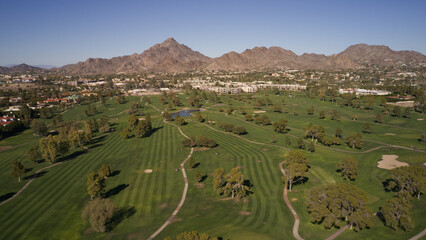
{"x": 171, "y": 56}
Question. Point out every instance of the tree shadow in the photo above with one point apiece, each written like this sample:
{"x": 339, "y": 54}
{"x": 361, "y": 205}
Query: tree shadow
{"x": 301, "y": 181}
{"x": 196, "y": 165}
{"x": 71, "y": 156}
{"x": 98, "y": 139}
{"x": 35, "y": 175}
{"x": 119, "y": 216}
{"x": 6, "y": 196}
{"x": 250, "y": 185}
{"x": 203, "y": 178}
{"x": 94, "y": 146}
{"x": 28, "y": 169}
{"x": 116, "y": 190}
{"x": 155, "y": 129}
{"x": 115, "y": 173}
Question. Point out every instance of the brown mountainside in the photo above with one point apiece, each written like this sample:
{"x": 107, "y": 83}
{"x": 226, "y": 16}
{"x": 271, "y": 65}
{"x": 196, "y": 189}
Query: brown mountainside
{"x": 170, "y": 56}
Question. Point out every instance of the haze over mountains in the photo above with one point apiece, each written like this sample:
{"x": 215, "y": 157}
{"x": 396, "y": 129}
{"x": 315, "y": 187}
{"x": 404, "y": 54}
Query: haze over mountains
{"x": 171, "y": 56}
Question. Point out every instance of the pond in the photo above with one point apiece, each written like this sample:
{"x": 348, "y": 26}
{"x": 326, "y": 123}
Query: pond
{"x": 184, "y": 113}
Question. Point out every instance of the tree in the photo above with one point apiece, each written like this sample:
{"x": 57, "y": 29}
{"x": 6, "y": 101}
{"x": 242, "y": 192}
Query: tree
{"x": 98, "y": 212}
{"x": 280, "y": 126}
{"x": 235, "y": 184}
{"x": 296, "y": 167}
{"x": 125, "y": 133}
{"x": 348, "y": 168}
{"x": 39, "y": 127}
{"x": 202, "y": 141}
{"x": 370, "y": 101}
{"x": 354, "y": 140}
{"x": 311, "y": 110}
{"x": 339, "y": 132}
{"x": 407, "y": 112}
{"x": 411, "y": 179}
{"x": 49, "y": 148}
{"x": 248, "y": 117}
{"x": 180, "y": 121}
{"x": 337, "y": 203}
{"x": 199, "y": 117}
{"x": 167, "y": 116}
{"x": 287, "y": 141}
{"x": 191, "y": 162}
{"x": 366, "y": 128}
{"x": 218, "y": 180}
{"x": 300, "y": 144}
{"x": 311, "y": 147}
{"x": 379, "y": 118}
{"x": 239, "y": 130}
{"x": 335, "y": 116}
{"x": 18, "y": 170}
{"x": 197, "y": 175}
{"x": 95, "y": 185}
{"x": 396, "y": 112}
{"x": 194, "y": 236}
{"x": 277, "y": 108}
{"x": 321, "y": 115}
{"x": 396, "y": 214}
{"x": 133, "y": 121}
{"x": 314, "y": 131}
{"x": 33, "y": 153}
{"x": 105, "y": 171}
{"x": 144, "y": 128}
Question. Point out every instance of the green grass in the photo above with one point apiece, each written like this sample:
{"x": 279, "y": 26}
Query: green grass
{"x": 50, "y": 208}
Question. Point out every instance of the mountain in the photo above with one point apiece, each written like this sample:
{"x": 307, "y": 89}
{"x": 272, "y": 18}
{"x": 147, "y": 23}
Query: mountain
{"x": 170, "y": 56}
{"x": 21, "y": 68}
{"x": 381, "y": 55}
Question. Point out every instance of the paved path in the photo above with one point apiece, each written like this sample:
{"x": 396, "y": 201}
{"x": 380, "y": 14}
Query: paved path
{"x": 420, "y": 235}
{"x": 28, "y": 183}
{"x": 185, "y": 190}
{"x": 287, "y": 202}
{"x": 340, "y": 231}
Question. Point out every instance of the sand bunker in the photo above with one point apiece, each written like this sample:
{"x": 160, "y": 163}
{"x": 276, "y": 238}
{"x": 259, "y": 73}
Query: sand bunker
{"x": 245, "y": 213}
{"x": 147, "y": 171}
{"x": 420, "y": 119}
{"x": 390, "y": 134}
{"x": 259, "y": 111}
{"x": 389, "y": 162}
{"x": 294, "y": 199}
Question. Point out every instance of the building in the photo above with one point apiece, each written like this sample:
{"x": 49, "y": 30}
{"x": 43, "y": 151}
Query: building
{"x": 6, "y": 120}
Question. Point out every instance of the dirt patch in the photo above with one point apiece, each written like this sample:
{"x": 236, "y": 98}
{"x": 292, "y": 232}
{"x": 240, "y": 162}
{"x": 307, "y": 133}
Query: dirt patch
{"x": 147, "y": 171}
{"x": 259, "y": 161}
{"x": 239, "y": 167}
{"x": 294, "y": 199}
{"x": 389, "y": 162}
{"x": 390, "y": 134}
{"x": 245, "y": 213}
{"x": 4, "y": 148}
{"x": 201, "y": 149}
{"x": 200, "y": 185}
{"x": 178, "y": 220}
{"x": 225, "y": 199}
{"x": 420, "y": 119}
{"x": 141, "y": 118}
{"x": 132, "y": 236}
{"x": 89, "y": 231}
{"x": 163, "y": 205}
{"x": 259, "y": 111}
{"x": 265, "y": 149}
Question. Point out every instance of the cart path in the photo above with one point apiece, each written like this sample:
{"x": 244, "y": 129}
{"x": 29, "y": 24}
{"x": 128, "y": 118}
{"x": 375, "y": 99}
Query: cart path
{"x": 420, "y": 235}
{"x": 287, "y": 202}
{"x": 185, "y": 190}
{"x": 340, "y": 231}
{"x": 28, "y": 183}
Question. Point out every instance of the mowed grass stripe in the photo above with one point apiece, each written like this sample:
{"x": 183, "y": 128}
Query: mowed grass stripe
{"x": 62, "y": 171}
{"x": 63, "y": 174}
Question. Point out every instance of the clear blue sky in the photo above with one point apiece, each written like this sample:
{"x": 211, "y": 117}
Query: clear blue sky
{"x": 60, "y": 32}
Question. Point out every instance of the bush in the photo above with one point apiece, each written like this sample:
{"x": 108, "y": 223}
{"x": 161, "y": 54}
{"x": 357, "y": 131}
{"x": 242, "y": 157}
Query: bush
{"x": 202, "y": 141}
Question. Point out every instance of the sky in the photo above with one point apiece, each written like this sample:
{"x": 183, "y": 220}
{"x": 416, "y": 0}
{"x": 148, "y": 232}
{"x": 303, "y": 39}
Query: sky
{"x": 58, "y": 32}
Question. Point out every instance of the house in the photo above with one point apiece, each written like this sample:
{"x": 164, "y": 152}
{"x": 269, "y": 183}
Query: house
{"x": 6, "y": 120}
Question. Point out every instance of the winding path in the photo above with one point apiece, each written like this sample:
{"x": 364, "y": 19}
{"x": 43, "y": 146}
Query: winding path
{"x": 28, "y": 183}
{"x": 420, "y": 235}
{"x": 287, "y": 202}
{"x": 185, "y": 190}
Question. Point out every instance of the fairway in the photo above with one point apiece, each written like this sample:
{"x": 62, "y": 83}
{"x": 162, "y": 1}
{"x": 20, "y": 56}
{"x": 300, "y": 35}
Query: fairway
{"x": 147, "y": 188}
